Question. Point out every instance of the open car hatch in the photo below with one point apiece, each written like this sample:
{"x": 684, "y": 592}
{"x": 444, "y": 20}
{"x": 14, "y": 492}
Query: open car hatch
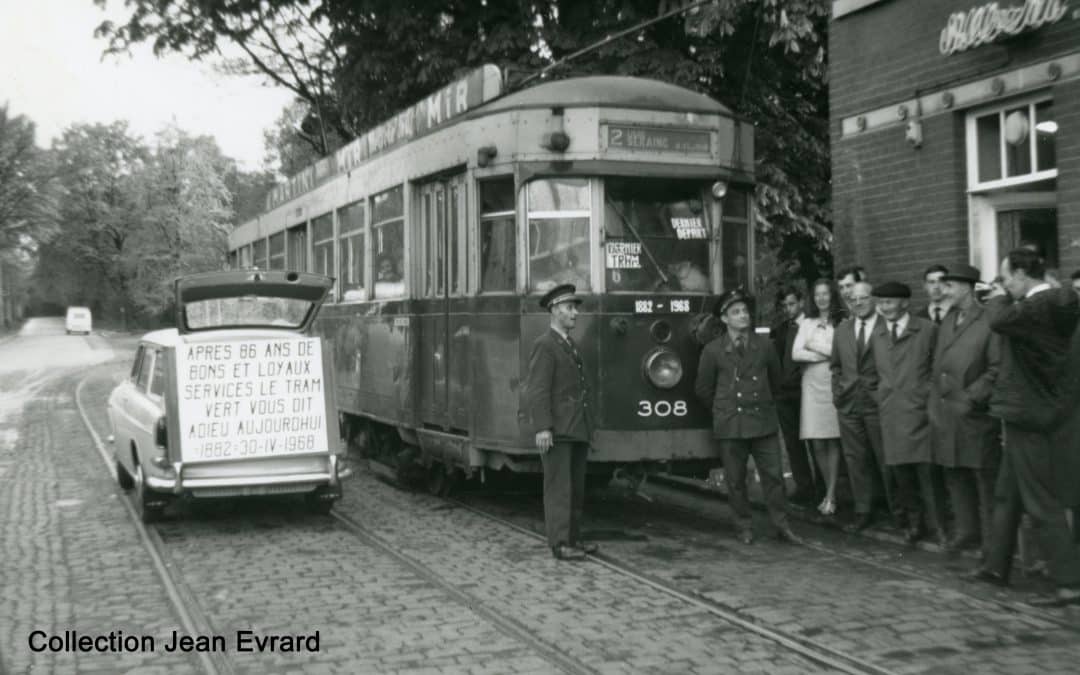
{"x": 249, "y": 299}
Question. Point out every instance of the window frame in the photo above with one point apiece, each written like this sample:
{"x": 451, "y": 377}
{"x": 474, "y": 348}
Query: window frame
{"x": 595, "y": 193}
{"x": 341, "y": 235}
{"x": 477, "y": 278}
{"x": 972, "y": 149}
{"x": 376, "y": 226}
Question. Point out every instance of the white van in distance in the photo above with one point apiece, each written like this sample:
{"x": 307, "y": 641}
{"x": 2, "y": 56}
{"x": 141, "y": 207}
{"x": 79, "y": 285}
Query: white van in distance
{"x": 78, "y": 320}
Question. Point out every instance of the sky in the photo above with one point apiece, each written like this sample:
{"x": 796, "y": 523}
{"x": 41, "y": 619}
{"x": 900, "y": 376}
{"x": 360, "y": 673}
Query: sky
{"x": 51, "y": 70}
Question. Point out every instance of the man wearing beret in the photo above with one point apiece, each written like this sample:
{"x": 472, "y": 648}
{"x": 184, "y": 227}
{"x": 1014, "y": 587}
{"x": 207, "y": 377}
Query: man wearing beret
{"x": 964, "y": 438}
{"x": 558, "y": 415}
{"x": 736, "y": 378}
{"x": 1036, "y": 323}
{"x": 903, "y": 354}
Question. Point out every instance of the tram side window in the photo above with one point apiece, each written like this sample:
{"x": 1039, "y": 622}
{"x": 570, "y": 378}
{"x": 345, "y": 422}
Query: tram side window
{"x": 351, "y": 222}
{"x": 259, "y": 255}
{"x": 656, "y": 236}
{"x": 559, "y": 210}
{"x": 298, "y": 248}
{"x": 322, "y": 246}
{"x": 277, "y": 251}
{"x": 735, "y": 238}
{"x": 498, "y": 246}
{"x": 388, "y": 243}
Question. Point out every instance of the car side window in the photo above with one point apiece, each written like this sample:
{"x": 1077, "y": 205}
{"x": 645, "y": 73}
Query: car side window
{"x": 157, "y": 382}
{"x": 137, "y": 362}
{"x": 144, "y": 370}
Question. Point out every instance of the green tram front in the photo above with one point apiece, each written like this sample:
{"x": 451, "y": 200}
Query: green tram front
{"x": 636, "y": 191}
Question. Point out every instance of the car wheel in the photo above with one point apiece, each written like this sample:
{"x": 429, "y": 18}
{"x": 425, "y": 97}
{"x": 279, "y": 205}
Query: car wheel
{"x": 149, "y": 512}
{"x": 318, "y": 506}
{"x": 123, "y": 477}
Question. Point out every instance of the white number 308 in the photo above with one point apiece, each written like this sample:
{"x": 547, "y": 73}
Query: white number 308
{"x": 661, "y": 408}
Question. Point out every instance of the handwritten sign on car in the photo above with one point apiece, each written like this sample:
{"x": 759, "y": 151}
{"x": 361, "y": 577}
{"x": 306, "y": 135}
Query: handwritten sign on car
{"x": 250, "y": 399}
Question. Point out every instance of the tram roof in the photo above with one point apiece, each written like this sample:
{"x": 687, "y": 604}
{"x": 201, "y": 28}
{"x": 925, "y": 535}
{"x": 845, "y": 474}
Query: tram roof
{"x": 610, "y": 91}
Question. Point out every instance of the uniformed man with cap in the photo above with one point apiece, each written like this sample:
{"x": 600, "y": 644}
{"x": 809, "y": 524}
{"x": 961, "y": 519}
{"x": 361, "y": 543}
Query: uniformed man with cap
{"x": 903, "y": 349}
{"x": 558, "y": 415}
{"x": 737, "y": 375}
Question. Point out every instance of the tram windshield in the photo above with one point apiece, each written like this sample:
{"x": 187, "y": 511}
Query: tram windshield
{"x": 656, "y": 236}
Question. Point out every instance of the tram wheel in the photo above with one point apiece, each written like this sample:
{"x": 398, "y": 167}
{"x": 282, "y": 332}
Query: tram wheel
{"x": 440, "y": 480}
{"x": 147, "y": 505}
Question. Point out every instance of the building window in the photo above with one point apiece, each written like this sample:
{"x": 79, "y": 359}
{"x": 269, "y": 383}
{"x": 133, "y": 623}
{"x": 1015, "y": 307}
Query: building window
{"x": 1012, "y": 181}
{"x": 1011, "y": 145}
{"x": 351, "y": 221}
{"x": 388, "y": 243}
{"x": 498, "y": 245}
{"x": 245, "y": 257}
{"x": 559, "y": 215}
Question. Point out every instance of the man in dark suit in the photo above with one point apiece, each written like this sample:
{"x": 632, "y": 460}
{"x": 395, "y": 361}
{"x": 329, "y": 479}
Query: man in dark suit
{"x": 939, "y": 303}
{"x": 736, "y": 378}
{"x": 903, "y": 354}
{"x": 789, "y": 395}
{"x": 964, "y": 439}
{"x": 1036, "y": 322}
{"x": 846, "y": 279}
{"x": 557, "y": 410}
{"x": 854, "y": 385}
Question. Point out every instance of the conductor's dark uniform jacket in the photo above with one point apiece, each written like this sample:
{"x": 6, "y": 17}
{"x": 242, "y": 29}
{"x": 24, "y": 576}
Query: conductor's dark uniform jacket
{"x": 739, "y": 388}
{"x": 557, "y": 394}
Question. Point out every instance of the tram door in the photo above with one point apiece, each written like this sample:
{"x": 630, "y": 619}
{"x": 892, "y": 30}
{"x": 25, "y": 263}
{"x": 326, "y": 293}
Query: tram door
{"x": 444, "y": 333}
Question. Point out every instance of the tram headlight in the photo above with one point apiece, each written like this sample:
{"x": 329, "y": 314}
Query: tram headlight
{"x": 663, "y": 367}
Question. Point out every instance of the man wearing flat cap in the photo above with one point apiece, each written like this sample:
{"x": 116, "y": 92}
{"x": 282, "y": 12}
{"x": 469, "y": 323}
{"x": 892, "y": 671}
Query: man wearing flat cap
{"x": 557, "y": 415}
{"x": 736, "y": 379}
{"x": 964, "y": 439}
{"x": 903, "y": 354}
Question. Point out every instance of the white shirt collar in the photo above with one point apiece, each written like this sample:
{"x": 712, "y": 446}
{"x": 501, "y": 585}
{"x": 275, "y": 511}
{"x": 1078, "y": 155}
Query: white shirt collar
{"x": 901, "y": 323}
{"x": 1039, "y": 288}
{"x": 871, "y": 321}
{"x": 561, "y": 334}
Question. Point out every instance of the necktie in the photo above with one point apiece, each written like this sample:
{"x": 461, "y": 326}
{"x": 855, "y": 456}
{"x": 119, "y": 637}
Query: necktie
{"x": 959, "y": 318}
{"x": 895, "y": 332}
{"x": 862, "y": 336}
{"x": 739, "y": 347}
{"x": 937, "y": 315}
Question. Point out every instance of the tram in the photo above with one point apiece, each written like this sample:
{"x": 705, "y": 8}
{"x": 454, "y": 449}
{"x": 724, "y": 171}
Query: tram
{"x": 445, "y": 225}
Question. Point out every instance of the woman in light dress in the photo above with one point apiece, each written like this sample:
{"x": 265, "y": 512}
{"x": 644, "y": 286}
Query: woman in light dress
{"x": 818, "y": 422}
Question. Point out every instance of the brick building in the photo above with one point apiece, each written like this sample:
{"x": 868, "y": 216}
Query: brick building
{"x": 955, "y": 132}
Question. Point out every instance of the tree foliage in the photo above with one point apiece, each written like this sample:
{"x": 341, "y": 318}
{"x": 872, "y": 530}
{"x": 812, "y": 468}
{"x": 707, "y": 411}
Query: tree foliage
{"x": 27, "y": 195}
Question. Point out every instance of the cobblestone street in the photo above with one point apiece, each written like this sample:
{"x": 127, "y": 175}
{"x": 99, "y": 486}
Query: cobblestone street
{"x": 403, "y": 582}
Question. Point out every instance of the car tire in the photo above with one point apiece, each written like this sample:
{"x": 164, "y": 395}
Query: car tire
{"x": 123, "y": 477}
{"x": 318, "y": 506}
{"x": 148, "y": 513}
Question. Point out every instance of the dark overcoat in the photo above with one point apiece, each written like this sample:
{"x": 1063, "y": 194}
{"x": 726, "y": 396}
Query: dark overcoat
{"x": 904, "y": 371}
{"x": 1067, "y": 436}
{"x": 556, "y": 391}
{"x": 739, "y": 389}
{"x": 966, "y": 363}
{"x": 783, "y": 338}
{"x": 1037, "y": 331}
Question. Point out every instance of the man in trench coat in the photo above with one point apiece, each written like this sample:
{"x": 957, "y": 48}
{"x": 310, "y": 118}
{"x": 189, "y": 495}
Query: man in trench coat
{"x": 903, "y": 347}
{"x": 964, "y": 439}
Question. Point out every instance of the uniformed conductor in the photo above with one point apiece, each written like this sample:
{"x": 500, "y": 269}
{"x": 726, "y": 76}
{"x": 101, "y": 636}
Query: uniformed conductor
{"x": 557, "y": 409}
{"x": 736, "y": 378}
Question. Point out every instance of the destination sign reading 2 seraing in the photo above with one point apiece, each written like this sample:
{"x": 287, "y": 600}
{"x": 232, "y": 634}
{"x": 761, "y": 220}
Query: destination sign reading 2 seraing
{"x": 658, "y": 139}
{"x": 256, "y": 398}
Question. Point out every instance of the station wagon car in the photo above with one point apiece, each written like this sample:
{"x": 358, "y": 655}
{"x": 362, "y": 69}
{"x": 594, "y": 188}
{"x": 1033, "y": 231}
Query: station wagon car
{"x": 237, "y": 400}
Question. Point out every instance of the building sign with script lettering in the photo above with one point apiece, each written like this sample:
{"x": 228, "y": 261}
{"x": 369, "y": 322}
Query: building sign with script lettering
{"x": 986, "y": 23}
{"x": 251, "y": 399}
{"x": 473, "y": 90}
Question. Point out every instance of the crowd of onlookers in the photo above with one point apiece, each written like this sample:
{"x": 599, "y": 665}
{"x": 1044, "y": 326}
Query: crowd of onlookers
{"x": 952, "y": 421}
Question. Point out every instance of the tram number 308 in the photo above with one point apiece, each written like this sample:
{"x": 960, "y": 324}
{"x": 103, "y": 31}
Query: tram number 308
{"x": 661, "y": 408}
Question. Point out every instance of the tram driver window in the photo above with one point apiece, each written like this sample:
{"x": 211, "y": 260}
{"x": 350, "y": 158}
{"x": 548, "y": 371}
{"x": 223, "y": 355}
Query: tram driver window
{"x": 498, "y": 243}
{"x": 559, "y": 211}
{"x": 388, "y": 243}
{"x": 656, "y": 236}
